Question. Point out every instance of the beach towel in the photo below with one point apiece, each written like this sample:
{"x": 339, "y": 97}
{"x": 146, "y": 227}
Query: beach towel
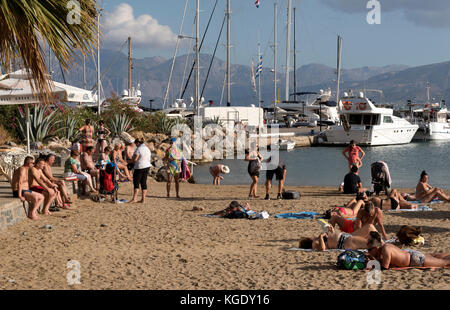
{"x": 419, "y": 208}
{"x": 297, "y": 215}
{"x": 185, "y": 172}
{"x": 252, "y": 215}
{"x": 432, "y": 201}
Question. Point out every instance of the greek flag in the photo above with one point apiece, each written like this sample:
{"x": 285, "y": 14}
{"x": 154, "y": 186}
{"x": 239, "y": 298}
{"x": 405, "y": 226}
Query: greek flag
{"x": 257, "y": 3}
{"x": 259, "y": 70}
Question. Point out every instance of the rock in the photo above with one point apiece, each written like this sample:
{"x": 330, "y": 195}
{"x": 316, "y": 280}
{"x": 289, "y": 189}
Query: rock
{"x": 161, "y": 175}
{"x": 151, "y": 146}
{"x": 36, "y": 145}
{"x": 164, "y": 146}
{"x": 24, "y": 233}
{"x": 160, "y": 153}
{"x": 103, "y": 225}
{"x": 10, "y": 143}
{"x": 49, "y": 227}
{"x": 158, "y": 164}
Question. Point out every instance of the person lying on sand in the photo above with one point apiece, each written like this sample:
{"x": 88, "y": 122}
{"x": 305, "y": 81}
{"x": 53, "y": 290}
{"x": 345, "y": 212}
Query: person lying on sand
{"x": 234, "y": 206}
{"x": 350, "y": 209}
{"x": 335, "y": 239}
{"x": 391, "y": 256}
{"x": 425, "y": 192}
{"x": 393, "y": 202}
{"x": 368, "y": 214}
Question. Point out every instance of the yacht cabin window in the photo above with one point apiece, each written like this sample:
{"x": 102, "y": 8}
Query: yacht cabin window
{"x": 387, "y": 119}
{"x": 364, "y": 119}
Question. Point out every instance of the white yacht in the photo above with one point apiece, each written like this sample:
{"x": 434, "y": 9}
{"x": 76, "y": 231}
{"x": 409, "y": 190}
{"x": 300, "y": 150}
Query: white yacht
{"x": 433, "y": 123}
{"x": 367, "y": 124}
{"x": 132, "y": 98}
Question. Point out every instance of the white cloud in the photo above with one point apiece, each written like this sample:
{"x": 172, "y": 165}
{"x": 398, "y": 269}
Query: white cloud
{"x": 430, "y": 13}
{"x": 145, "y": 31}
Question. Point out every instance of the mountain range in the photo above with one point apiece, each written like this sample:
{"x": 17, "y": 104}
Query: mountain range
{"x": 398, "y": 82}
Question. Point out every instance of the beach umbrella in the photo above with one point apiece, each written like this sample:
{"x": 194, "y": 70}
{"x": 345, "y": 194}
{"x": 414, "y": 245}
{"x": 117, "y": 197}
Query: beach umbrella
{"x": 16, "y": 89}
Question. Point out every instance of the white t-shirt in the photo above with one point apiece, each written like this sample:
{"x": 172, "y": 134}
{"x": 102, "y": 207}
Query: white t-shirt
{"x": 145, "y": 157}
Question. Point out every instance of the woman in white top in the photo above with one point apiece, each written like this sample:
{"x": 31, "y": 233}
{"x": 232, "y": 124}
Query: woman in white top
{"x": 142, "y": 163}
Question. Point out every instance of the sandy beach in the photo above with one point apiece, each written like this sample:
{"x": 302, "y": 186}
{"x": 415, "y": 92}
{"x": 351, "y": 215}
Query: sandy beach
{"x": 163, "y": 244}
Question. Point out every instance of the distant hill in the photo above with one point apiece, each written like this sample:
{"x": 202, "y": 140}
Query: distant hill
{"x": 398, "y": 82}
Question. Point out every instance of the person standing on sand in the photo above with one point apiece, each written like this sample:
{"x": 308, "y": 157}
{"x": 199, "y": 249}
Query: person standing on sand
{"x": 173, "y": 157}
{"x": 20, "y": 187}
{"x": 254, "y": 159}
{"x": 391, "y": 256}
{"x": 280, "y": 175}
{"x": 87, "y": 131}
{"x": 353, "y": 155}
{"x": 216, "y": 170}
{"x": 102, "y": 134}
{"x": 142, "y": 163}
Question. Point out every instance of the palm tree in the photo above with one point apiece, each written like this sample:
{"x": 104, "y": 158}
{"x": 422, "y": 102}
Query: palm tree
{"x": 26, "y": 25}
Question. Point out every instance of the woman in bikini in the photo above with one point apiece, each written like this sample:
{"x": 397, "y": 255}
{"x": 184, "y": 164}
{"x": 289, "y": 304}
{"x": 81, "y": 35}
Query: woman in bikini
{"x": 393, "y": 202}
{"x": 350, "y": 209}
{"x": 102, "y": 134}
{"x": 335, "y": 239}
{"x": 426, "y": 193}
{"x": 353, "y": 155}
{"x": 87, "y": 131}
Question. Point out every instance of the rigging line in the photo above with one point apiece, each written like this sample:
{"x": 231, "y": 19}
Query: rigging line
{"x": 109, "y": 66}
{"x": 201, "y": 44}
{"x": 186, "y": 62}
{"x": 62, "y": 72}
{"x": 214, "y": 54}
{"x": 175, "y": 54}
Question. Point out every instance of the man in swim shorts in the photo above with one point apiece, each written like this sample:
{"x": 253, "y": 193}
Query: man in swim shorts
{"x": 19, "y": 184}
{"x": 391, "y": 256}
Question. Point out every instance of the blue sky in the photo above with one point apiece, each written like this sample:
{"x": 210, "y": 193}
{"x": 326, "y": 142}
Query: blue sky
{"x": 411, "y": 32}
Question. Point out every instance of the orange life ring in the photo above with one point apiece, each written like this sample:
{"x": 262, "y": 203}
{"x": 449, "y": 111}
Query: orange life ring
{"x": 347, "y": 105}
{"x": 362, "y": 106}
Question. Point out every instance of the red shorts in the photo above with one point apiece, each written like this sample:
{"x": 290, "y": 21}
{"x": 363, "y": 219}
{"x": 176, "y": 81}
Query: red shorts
{"x": 348, "y": 227}
{"x": 37, "y": 189}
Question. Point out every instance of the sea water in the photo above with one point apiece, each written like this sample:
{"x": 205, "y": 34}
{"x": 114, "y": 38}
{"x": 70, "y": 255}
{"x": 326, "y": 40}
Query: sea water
{"x": 326, "y": 166}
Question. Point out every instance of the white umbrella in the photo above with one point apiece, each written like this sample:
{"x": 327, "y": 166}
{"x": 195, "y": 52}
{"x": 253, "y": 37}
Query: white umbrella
{"x": 16, "y": 88}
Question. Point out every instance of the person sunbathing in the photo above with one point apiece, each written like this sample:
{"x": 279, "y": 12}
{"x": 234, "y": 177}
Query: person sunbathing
{"x": 426, "y": 193}
{"x": 393, "y": 202}
{"x": 335, "y": 239}
{"x": 40, "y": 184}
{"x": 391, "y": 256}
{"x": 20, "y": 187}
{"x": 350, "y": 209}
{"x": 369, "y": 214}
{"x": 234, "y": 206}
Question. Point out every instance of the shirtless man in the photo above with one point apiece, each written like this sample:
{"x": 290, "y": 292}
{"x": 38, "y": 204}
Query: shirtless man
{"x": 391, "y": 256}
{"x": 127, "y": 154}
{"x": 40, "y": 184}
{"x": 49, "y": 161}
{"x": 368, "y": 214}
{"x": 393, "y": 202}
{"x": 19, "y": 184}
{"x": 335, "y": 239}
{"x": 216, "y": 170}
{"x": 426, "y": 193}
{"x": 87, "y": 165}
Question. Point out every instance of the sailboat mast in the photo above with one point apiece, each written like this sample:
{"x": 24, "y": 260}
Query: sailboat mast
{"x": 98, "y": 63}
{"x": 295, "y": 62}
{"x": 339, "y": 42}
{"x": 259, "y": 81}
{"x": 84, "y": 71}
{"x": 197, "y": 60}
{"x": 288, "y": 50}
{"x": 275, "y": 60}
{"x": 129, "y": 66}
{"x": 228, "y": 54}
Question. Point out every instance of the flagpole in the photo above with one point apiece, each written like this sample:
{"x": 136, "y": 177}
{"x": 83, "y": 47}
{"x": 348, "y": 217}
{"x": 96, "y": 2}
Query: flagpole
{"x": 275, "y": 61}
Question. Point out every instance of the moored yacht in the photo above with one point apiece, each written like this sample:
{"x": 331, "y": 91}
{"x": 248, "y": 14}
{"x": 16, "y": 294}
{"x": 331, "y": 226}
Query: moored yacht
{"x": 367, "y": 124}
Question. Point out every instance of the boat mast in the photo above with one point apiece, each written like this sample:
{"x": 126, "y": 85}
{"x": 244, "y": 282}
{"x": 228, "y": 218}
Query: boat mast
{"x": 228, "y": 12}
{"x": 84, "y": 71}
{"x": 129, "y": 66}
{"x": 197, "y": 59}
{"x": 295, "y": 63}
{"x": 98, "y": 62}
{"x": 339, "y": 44}
{"x": 275, "y": 60}
{"x": 259, "y": 84}
{"x": 288, "y": 50}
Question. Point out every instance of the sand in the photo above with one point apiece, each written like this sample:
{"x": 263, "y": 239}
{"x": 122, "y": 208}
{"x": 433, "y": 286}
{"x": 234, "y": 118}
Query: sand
{"x": 163, "y": 244}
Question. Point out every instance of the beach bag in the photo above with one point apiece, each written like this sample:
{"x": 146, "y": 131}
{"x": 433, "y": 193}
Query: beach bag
{"x": 351, "y": 260}
{"x": 290, "y": 195}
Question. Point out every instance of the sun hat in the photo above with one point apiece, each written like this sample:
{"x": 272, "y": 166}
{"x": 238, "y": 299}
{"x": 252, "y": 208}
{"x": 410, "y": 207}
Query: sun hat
{"x": 225, "y": 169}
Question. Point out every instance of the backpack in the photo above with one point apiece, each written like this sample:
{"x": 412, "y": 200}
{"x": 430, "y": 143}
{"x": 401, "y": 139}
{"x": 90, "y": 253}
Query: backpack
{"x": 290, "y": 195}
{"x": 351, "y": 260}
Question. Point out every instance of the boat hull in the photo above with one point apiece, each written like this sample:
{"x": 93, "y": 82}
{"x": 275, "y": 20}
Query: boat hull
{"x": 433, "y": 131}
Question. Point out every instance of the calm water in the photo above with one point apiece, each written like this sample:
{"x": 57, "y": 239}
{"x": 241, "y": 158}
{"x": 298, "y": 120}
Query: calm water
{"x": 326, "y": 166}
